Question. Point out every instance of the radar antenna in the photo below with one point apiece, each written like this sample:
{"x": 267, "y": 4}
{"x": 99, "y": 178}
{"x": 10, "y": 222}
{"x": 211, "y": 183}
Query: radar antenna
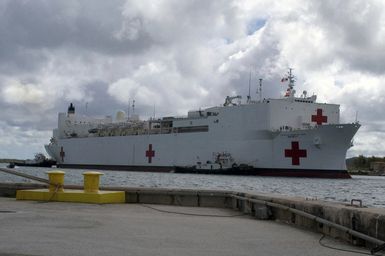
{"x": 229, "y": 100}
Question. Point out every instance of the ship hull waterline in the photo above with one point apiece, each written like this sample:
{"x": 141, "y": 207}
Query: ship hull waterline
{"x": 274, "y": 172}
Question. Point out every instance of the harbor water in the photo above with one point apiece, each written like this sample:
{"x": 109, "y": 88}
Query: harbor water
{"x": 369, "y": 189}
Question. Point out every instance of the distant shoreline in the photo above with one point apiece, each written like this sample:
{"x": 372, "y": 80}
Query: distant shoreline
{"x": 5, "y": 160}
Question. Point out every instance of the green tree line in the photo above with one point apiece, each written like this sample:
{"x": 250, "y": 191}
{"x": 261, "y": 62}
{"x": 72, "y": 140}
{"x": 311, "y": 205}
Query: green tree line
{"x": 363, "y": 163}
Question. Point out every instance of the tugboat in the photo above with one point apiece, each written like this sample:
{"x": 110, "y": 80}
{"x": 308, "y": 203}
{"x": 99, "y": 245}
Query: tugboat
{"x": 11, "y": 165}
{"x": 40, "y": 160}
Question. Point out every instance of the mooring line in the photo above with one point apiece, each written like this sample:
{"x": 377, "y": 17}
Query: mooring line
{"x": 25, "y": 175}
{"x": 57, "y": 186}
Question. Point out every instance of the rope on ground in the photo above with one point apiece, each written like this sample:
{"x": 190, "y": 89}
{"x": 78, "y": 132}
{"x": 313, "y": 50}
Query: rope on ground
{"x": 191, "y": 214}
{"x": 340, "y": 249}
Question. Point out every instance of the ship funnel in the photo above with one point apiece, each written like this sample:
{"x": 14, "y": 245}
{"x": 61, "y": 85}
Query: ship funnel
{"x": 71, "y": 109}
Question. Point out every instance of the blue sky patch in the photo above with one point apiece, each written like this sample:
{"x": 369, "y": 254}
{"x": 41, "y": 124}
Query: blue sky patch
{"x": 255, "y": 25}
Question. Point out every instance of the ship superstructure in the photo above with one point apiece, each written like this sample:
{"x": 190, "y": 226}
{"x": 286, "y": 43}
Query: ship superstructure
{"x": 289, "y": 136}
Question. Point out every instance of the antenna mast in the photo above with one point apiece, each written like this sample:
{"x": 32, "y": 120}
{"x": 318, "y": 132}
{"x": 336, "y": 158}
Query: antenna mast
{"x": 128, "y": 109}
{"x": 260, "y": 89}
{"x": 248, "y": 96}
{"x": 133, "y": 107}
{"x": 291, "y": 79}
{"x": 290, "y": 92}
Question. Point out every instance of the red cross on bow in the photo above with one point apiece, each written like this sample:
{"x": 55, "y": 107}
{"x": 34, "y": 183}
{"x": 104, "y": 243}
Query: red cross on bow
{"x": 62, "y": 154}
{"x": 150, "y": 153}
{"x": 319, "y": 118}
{"x": 295, "y": 153}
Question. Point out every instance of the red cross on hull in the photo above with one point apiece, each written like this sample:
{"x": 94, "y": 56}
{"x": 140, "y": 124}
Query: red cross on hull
{"x": 295, "y": 153}
{"x": 319, "y": 118}
{"x": 150, "y": 153}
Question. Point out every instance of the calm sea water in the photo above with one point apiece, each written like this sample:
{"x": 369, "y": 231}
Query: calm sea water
{"x": 370, "y": 189}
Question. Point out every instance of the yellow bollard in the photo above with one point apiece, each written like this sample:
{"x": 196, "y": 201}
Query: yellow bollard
{"x": 91, "y": 181}
{"x": 90, "y": 194}
{"x": 56, "y": 180}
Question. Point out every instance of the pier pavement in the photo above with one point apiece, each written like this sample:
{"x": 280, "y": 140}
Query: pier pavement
{"x": 30, "y": 228}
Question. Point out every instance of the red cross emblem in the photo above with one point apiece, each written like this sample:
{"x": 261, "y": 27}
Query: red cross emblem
{"x": 150, "y": 153}
{"x": 62, "y": 154}
{"x": 319, "y": 118}
{"x": 295, "y": 153}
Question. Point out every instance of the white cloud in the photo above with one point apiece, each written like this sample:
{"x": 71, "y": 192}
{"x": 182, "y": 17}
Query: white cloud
{"x": 157, "y": 83}
{"x": 181, "y": 55}
{"x": 129, "y": 30}
{"x": 126, "y": 89}
{"x": 16, "y": 142}
{"x": 18, "y": 93}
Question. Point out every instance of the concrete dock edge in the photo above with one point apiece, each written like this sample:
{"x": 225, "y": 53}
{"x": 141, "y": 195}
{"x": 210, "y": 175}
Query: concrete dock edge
{"x": 369, "y": 221}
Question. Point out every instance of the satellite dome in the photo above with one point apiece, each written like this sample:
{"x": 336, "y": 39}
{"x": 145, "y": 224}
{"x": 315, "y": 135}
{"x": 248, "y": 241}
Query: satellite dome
{"x": 120, "y": 116}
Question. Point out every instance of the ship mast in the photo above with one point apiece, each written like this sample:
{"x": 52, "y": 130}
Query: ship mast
{"x": 249, "y": 96}
{"x": 290, "y": 92}
{"x": 128, "y": 110}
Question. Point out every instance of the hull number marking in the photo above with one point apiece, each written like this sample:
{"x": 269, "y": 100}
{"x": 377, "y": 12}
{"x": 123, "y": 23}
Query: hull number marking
{"x": 319, "y": 118}
{"x": 295, "y": 153}
{"x": 150, "y": 153}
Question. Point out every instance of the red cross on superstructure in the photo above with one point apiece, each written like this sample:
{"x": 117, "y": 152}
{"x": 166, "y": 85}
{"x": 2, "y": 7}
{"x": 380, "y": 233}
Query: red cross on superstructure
{"x": 319, "y": 118}
{"x": 150, "y": 153}
{"x": 295, "y": 153}
{"x": 62, "y": 154}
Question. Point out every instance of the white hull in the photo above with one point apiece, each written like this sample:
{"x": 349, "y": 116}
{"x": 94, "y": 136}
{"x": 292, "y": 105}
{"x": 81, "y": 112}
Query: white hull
{"x": 261, "y": 149}
{"x": 272, "y": 137}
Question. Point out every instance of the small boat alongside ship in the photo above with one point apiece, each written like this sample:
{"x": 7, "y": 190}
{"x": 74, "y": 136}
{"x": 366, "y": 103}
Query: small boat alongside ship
{"x": 288, "y": 136}
{"x": 40, "y": 160}
{"x": 11, "y": 165}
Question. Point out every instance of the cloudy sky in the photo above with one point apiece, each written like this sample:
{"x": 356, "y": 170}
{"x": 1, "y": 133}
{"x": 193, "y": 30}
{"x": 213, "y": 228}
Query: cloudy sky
{"x": 180, "y": 55}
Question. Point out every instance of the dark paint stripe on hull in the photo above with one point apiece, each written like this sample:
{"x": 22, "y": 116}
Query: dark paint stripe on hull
{"x": 306, "y": 173}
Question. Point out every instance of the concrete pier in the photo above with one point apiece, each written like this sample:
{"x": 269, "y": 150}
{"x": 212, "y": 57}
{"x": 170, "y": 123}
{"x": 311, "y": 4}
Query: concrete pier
{"x": 369, "y": 221}
{"x": 36, "y": 228}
